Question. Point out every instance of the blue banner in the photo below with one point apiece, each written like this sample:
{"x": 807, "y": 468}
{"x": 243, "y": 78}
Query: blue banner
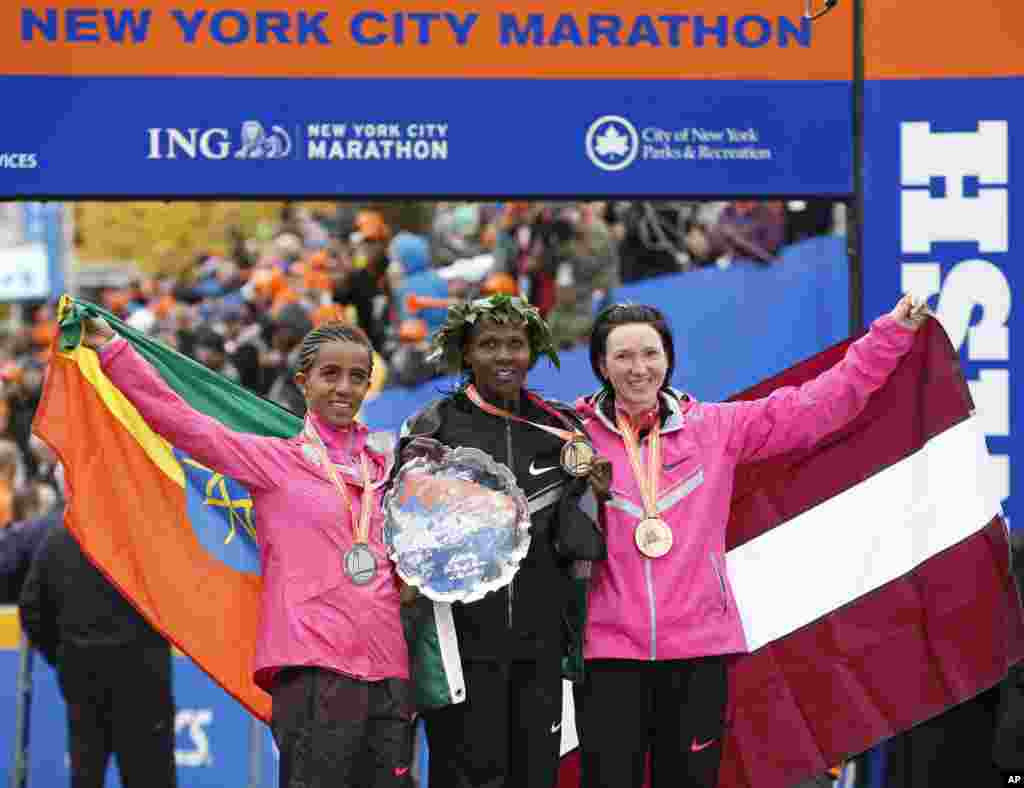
{"x": 364, "y": 137}
{"x": 941, "y": 222}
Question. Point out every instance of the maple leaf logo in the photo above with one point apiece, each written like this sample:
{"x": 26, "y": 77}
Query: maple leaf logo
{"x": 611, "y": 143}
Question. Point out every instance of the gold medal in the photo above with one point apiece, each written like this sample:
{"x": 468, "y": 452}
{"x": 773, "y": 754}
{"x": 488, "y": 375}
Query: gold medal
{"x": 577, "y": 457}
{"x": 653, "y": 537}
{"x": 578, "y": 453}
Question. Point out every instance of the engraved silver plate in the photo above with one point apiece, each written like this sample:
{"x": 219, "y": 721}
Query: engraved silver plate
{"x": 458, "y": 527}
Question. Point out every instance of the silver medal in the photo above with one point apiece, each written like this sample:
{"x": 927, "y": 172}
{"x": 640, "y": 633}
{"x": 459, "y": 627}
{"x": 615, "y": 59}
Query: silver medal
{"x": 360, "y": 565}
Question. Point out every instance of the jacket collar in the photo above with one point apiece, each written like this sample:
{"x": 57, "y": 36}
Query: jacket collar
{"x": 379, "y": 446}
{"x": 674, "y": 401}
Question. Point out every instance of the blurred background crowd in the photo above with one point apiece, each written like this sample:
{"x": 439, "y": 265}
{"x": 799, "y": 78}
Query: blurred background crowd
{"x": 239, "y": 293}
{"x": 236, "y": 286}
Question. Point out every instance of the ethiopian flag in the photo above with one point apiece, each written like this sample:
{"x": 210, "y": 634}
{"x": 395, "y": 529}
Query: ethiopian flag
{"x": 176, "y": 538}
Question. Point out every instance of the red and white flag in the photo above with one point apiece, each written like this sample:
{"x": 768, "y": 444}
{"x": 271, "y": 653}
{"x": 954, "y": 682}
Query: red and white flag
{"x": 872, "y": 575}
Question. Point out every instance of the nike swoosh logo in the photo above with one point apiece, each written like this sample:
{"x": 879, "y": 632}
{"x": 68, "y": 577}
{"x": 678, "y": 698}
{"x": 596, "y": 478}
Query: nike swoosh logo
{"x": 401, "y": 771}
{"x": 556, "y": 727}
{"x": 670, "y": 466}
{"x": 535, "y": 471}
{"x": 695, "y": 747}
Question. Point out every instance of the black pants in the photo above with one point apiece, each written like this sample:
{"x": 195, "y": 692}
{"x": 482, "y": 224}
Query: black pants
{"x": 940, "y": 750}
{"x": 675, "y": 709}
{"x": 333, "y": 730}
{"x": 119, "y": 702}
{"x": 507, "y": 732}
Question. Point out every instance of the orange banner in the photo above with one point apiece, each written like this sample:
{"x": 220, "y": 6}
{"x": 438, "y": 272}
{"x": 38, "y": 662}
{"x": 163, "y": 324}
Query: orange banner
{"x": 904, "y": 40}
{"x": 760, "y": 39}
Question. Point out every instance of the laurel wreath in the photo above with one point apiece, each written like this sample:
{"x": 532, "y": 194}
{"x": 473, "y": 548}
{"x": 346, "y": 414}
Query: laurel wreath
{"x": 450, "y": 339}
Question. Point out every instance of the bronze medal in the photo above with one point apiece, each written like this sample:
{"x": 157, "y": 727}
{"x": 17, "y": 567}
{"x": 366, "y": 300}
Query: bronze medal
{"x": 577, "y": 457}
{"x": 653, "y": 537}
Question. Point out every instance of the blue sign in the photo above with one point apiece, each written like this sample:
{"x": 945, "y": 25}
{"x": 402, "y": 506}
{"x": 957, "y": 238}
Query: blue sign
{"x": 942, "y": 222}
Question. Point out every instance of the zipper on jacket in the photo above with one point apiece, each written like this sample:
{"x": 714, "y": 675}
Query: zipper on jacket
{"x": 649, "y": 571}
{"x": 511, "y": 467}
{"x": 649, "y": 579}
{"x": 721, "y": 581}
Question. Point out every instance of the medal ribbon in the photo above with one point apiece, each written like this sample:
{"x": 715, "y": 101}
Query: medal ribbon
{"x": 487, "y": 407}
{"x": 360, "y": 530}
{"x": 648, "y": 482}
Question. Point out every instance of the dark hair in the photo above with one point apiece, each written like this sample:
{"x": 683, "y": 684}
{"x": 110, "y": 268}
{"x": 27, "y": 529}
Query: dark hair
{"x": 207, "y": 338}
{"x": 331, "y": 332}
{"x": 617, "y": 315}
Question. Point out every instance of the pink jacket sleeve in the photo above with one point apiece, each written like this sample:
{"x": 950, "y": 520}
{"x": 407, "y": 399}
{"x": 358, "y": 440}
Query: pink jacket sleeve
{"x": 252, "y": 460}
{"x": 798, "y": 417}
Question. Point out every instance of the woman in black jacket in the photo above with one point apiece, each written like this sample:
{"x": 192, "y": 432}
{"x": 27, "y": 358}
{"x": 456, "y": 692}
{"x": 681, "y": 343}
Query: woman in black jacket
{"x": 505, "y": 729}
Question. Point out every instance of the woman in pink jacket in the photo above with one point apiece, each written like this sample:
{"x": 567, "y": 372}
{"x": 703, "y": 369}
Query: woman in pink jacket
{"x": 331, "y": 650}
{"x": 661, "y": 613}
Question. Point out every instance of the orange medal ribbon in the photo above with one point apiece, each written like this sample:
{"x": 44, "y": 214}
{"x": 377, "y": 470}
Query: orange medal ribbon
{"x": 577, "y": 453}
{"x": 653, "y": 536}
{"x": 360, "y": 563}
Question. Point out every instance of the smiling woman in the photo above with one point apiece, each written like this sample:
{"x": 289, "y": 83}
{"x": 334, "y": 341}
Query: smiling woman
{"x": 662, "y": 611}
{"x": 495, "y": 715}
{"x": 335, "y": 369}
{"x": 330, "y": 648}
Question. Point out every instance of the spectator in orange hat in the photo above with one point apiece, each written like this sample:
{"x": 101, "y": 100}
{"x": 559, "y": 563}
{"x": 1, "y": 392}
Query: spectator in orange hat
{"x": 43, "y": 334}
{"x": 328, "y": 313}
{"x": 371, "y": 225}
{"x": 283, "y": 298}
{"x": 164, "y": 307}
{"x": 499, "y": 283}
{"x": 315, "y": 278}
{"x": 117, "y": 301}
{"x": 261, "y": 285}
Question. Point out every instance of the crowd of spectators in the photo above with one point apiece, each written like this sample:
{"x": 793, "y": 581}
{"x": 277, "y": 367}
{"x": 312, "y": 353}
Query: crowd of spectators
{"x": 243, "y": 309}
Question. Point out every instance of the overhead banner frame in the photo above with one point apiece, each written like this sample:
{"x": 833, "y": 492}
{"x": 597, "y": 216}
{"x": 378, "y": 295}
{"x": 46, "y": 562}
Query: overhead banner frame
{"x": 262, "y": 99}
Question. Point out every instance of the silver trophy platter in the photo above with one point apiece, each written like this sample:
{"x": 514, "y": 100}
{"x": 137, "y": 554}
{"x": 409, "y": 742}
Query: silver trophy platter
{"x": 456, "y": 527}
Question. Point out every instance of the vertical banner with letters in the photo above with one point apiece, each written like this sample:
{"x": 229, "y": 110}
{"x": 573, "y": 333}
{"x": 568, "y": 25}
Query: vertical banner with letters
{"x": 944, "y": 200}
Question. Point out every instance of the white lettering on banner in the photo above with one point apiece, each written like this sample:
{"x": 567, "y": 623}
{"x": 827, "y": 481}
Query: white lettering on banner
{"x": 194, "y": 722}
{"x": 969, "y": 284}
{"x": 954, "y": 156}
{"x": 18, "y": 161}
{"x": 208, "y": 143}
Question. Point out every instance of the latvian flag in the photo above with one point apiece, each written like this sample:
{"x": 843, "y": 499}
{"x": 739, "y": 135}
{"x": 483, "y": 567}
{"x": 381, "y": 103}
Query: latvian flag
{"x": 872, "y": 575}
